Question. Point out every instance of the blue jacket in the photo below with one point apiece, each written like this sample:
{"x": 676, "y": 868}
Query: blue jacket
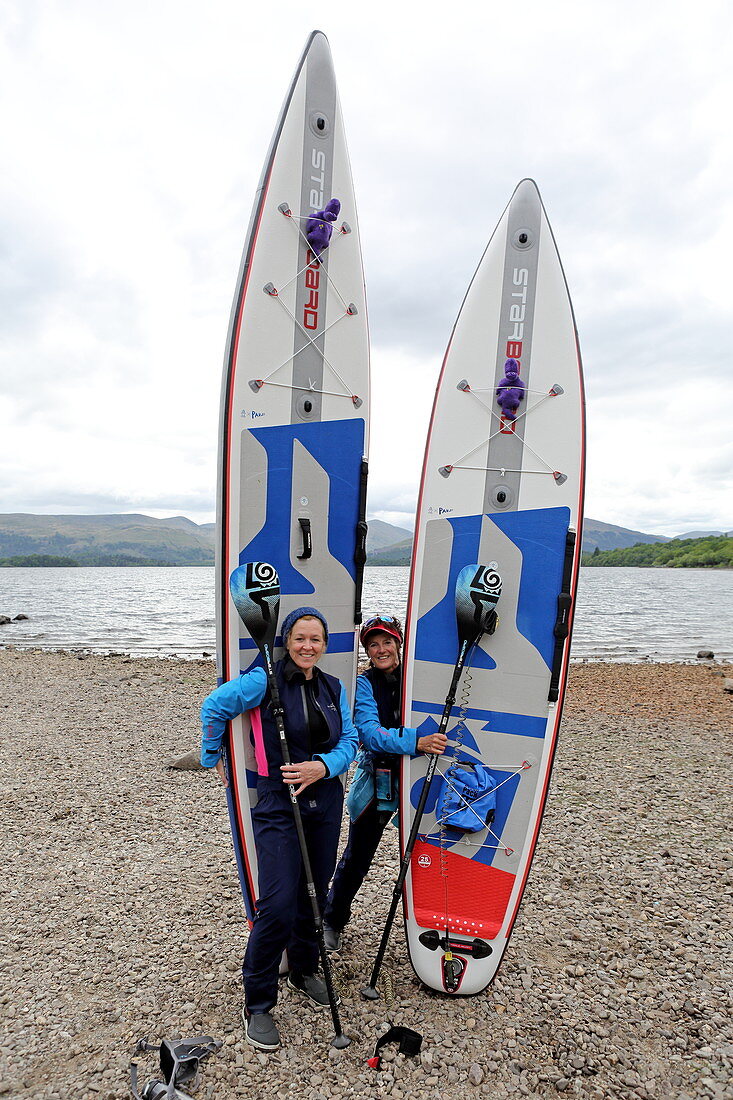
{"x": 249, "y": 690}
{"x": 375, "y": 732}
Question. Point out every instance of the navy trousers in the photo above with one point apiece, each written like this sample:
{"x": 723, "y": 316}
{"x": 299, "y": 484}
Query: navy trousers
{"x": 364, "y": 836}
{"x": 284, "y": 918}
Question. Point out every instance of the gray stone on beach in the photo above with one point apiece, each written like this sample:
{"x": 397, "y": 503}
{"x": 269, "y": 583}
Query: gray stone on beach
{"x": 4, "y": 620}
{"x": 705, "y": 654}
{"x": 475, "y": 1074}
{"x": 189, "y": 762}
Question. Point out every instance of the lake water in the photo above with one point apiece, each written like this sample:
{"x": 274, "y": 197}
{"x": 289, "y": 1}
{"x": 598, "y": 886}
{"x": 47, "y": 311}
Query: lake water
{"x": 622, "y": 614}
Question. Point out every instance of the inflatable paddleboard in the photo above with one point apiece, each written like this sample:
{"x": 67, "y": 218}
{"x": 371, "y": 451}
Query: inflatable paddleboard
{"x": 502, "y": 486}
{"x": 294, "y": 409}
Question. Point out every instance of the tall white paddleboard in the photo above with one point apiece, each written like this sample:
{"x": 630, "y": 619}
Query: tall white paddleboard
{"x": 510, "y": 492}
{"x": 294, "y": 409}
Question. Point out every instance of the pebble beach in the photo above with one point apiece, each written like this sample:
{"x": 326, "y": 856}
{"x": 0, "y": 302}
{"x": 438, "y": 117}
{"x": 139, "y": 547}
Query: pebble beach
{"x": 122, "y": 919}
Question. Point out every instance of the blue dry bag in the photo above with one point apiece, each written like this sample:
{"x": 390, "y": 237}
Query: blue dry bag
{"x": 467, "y": 801}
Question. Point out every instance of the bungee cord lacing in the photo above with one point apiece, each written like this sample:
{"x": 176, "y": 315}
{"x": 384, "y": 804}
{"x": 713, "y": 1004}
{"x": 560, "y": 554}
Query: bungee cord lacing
{"x": 555, "y": 391}
{"x": 350, "y": 310}
{"x": 441, "y": 822}
{"x": 311, "y": 342}
{"x": 343, "y": 231}
{"x": 257, "y": 383}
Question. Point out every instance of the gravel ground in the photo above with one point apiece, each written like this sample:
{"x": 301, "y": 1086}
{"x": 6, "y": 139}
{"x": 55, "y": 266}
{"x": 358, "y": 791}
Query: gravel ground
{"x": 121, "y": 915}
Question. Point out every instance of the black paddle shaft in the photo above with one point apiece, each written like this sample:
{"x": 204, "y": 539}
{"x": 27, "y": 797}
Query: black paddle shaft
{"x": 370, "y": 992}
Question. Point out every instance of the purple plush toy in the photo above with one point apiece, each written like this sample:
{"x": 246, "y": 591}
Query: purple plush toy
{"x": 510, "y": 390}
{"x": 318, "y": 230}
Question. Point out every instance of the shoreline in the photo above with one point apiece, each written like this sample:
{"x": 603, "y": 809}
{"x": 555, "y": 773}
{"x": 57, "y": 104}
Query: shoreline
{"x": 122, "y": 915}
{"x": 205, "y": 657}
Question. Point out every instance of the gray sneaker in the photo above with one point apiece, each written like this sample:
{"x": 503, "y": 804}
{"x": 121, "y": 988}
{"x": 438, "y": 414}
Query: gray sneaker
{"x": 331, "y": 938}
{"x": 260, "y": 1030}
{"x": 312, "y": 987}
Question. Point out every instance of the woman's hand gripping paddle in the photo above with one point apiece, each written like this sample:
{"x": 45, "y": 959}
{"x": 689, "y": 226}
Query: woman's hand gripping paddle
{"x": 478, "y": 588}
{"x": 255, "y": 590}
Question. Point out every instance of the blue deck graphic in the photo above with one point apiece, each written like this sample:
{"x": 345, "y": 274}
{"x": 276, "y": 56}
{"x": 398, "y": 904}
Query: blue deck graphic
{"x": 337, "y": 446}
{"x": 437, "y": 632}
{"x": 522, "y": 725}
{"x": 540, "y": 536}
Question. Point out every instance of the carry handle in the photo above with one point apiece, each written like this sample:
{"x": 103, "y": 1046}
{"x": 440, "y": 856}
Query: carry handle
{"x": 305, "y": 530}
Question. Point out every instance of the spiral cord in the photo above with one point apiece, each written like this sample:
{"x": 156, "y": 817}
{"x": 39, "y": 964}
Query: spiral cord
{"x": 458, "y": 734}
{"x": 388, "y": 992}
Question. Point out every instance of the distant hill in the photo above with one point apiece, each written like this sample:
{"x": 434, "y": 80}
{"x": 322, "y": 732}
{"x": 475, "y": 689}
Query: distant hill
{"x": 108, "y": 540}
{"x": 133, "y": 539}
{"x": 399, "y": 554}
{"x": 703, "y": 534}
{"x": 381, "y": 535}
{"x": 606, "y": 536}
{"x": 710, "y": 552}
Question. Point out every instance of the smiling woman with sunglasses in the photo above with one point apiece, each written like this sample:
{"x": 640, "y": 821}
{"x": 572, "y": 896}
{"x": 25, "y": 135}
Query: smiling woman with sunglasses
{"x": 372, "y": 796}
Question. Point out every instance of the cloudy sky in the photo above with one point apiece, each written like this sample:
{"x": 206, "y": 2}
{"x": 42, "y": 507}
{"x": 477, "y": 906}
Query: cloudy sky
{"x": 132, "y": 135}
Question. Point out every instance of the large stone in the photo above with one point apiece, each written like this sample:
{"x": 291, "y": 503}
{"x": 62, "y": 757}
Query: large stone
{"x": 705, "y": 654}
{"x": 189, "y": 762}
{"x": 475, "y": 1074}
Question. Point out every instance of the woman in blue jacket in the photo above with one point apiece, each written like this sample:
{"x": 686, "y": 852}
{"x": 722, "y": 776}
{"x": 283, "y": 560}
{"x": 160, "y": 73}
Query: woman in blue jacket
{"x": 322, "y": 741}
{"x": 377, "y": 713}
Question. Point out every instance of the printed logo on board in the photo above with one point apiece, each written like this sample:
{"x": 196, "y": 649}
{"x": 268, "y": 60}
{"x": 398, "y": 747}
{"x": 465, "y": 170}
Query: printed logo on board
{"x": 517, "y": 313}
{"x": 424, "y": 861}
{"x": 318, "y": 162}
{"x": 312, "y": 285}
{"x": 313, "y": 269}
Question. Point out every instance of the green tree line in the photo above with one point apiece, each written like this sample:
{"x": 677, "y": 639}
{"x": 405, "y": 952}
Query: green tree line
{"x": 711, "y": 552}
{"x": 46, "y": 560}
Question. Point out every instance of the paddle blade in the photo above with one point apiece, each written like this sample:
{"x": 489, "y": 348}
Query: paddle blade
{"x": 478, "y": 588}
{"x": 255, "y": 589}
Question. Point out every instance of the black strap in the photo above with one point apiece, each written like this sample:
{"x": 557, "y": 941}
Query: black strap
{"x": 179, "y": 1060}
{"x": 562, "y": 622}
{"x": 410, "y": 1042}
{"x": 133, "y": 1081}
